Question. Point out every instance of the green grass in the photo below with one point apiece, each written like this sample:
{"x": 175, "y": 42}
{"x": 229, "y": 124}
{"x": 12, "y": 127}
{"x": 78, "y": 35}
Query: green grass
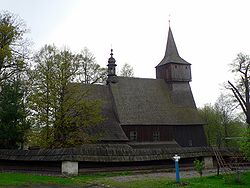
{"x": 204, "y": 182}
{"x": 12, "y": 179}
{"x": 18, "y": 179}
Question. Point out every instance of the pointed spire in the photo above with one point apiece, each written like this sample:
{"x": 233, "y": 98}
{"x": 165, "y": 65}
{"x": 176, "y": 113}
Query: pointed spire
{"x": 171, "y": 50}
{"x": 171, "y": 54}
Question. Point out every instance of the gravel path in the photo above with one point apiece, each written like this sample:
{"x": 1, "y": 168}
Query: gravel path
{"x": 171, "y": 175}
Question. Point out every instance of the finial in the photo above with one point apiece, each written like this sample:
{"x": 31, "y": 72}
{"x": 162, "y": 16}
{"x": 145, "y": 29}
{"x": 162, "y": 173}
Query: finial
{"x": 111, "y": 52}
{"x": 169, "y": 19}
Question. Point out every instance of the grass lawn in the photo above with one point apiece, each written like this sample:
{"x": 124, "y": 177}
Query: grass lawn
{"x": 18, "y": 179}
{"x": 204, "y": 182}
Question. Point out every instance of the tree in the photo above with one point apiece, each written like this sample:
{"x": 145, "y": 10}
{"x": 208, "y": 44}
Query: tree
{"x": 127, "y": 70}
{"x": 222, "y": 127}
{"x": 78, "y": 114}
{"x": 13, "y": 46}
{"x": 245, "y": 144}
{"x": 14, "y": 54}
{"x": 213, "y": 128}
{"x": 13, "y": 116}
{"x": 60, "y": 107}
{"x": 240, "y": 90}
{"x": 42, "y": 98}
{"x": 229, "y": 119}
{"x": 89, "y": 71}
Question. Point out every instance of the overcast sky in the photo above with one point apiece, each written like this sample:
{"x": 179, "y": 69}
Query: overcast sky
{"x": 208, "y": 34}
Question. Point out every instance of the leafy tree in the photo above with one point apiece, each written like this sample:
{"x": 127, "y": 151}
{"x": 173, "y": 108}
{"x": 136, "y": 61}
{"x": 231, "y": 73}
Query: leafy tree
{"x": 245, "y": 144}
{"x": 52, "y": 101}
{"x": 127, "y": 70}
{"x": 13, "y": 116}
{"x": 43, "y": 81}
{"x": 240, "y": 90}
{"x": 79, "y": 113}
{"x": 213, "y": 128}
{"x": 229, "y": 119}
{"x": 13, "y": 47}
{"x": 14, "y": 54}
{"x": 222, "y": 127}
{"x": 76, "y": 111}
{"x": 89, "y": 72}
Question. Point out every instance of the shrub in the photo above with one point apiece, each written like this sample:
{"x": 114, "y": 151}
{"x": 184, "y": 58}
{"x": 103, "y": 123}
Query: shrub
{"x": 199, "y": 166}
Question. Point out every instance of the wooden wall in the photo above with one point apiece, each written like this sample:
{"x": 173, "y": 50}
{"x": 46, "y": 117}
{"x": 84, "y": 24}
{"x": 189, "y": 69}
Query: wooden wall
{"x": 145, "y": 133}
{"x": 174, "y": 72}
{"x": 190, "y": 136}
{"x": 185, "y": 136}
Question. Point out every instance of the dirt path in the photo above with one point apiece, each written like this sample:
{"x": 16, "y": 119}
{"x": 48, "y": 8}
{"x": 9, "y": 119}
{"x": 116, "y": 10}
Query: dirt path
{"x": 171, "y": 175}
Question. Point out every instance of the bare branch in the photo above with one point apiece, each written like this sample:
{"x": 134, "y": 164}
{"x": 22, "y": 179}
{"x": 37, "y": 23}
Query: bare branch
{"x": 238, "y": 97}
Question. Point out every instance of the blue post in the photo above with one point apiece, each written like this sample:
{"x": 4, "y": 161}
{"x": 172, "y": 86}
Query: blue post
{"x": 177, "y": 174}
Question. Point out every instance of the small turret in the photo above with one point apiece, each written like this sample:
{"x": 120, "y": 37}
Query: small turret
{"x": 172, "y": 67}
{"x": 112, "y": 78}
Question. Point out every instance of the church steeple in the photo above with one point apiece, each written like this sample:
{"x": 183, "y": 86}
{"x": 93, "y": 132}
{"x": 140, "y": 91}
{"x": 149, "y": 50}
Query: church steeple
{"x": 172, "y": 67}
{"x": 111, "y": 69}
{"x": 171, "y": 53}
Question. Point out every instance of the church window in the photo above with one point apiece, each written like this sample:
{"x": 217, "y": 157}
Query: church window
{"x": 176, "y": 66}
{"x": 156, "y": 136}
{"x": 133, "y": 135}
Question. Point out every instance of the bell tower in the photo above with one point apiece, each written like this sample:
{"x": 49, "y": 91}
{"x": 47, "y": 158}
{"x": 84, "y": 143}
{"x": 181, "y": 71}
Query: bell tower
{"x": 112, "y": 77}
{"x": 172, "y": 67}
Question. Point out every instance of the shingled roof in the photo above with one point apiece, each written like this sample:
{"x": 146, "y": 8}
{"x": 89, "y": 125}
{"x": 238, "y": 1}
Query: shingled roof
{"x": 109, "y": 129}
{"x": 171, "y": 54}
{"x": 141, "y": 101}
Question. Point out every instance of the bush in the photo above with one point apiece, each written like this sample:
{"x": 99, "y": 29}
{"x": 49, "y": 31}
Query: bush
{"x": 199, "y": 166}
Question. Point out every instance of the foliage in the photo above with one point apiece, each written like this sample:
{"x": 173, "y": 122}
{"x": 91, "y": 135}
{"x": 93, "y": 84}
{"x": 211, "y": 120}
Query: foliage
{"x": 13, "y": 116}
{"x": 89, "y": 72}
{"x": 127, "y": 70}
{"x": 199, "y": 166}
{"x": 78, "y": 115}
{"x": 13, "y": 47}
{"x": 42, "y": 97}
{"x": 240, "y": 90}
{"x": 213, "y": 128}
{"x": 60, "y": 108}
{"x": 245, "y": 144}
{"x": 222, "y": 126}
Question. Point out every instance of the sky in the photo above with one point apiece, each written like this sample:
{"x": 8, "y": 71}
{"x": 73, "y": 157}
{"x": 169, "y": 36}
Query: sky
{"x": 208, "y": 33}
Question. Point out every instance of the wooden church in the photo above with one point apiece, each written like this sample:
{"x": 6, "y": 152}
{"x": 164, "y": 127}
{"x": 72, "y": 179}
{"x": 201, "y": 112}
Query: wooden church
{"x": 146, "y": 112}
